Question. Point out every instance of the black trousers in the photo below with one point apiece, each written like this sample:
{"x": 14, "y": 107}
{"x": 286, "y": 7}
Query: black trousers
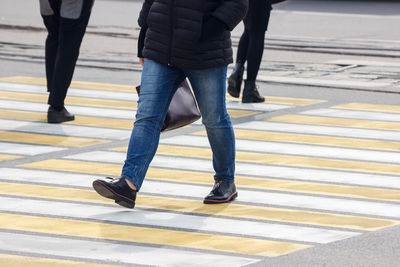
{"x": 251, "y": 44}
{"x": 63, "y": 42}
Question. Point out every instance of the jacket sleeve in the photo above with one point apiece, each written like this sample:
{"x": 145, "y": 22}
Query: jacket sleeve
{"x": 231, "y": 12}
{"x": 144, "y": 12}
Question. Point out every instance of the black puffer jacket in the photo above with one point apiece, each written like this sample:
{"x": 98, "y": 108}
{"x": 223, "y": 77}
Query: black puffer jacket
{"x": 175, "y": 34}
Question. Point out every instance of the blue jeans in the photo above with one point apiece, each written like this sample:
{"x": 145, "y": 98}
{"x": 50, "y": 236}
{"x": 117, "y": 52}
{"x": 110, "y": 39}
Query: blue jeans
{"x": 158, "y": 85}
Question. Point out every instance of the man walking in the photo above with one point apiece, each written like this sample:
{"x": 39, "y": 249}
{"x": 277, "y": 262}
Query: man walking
{"x": 181, "y": 39}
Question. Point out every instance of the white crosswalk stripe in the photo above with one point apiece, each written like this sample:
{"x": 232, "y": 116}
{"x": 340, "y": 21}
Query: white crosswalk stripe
{"x": 64, "y": 129}
{"x": 77, "y": 110}
{"x": 351, "y": 114}
{"x": 320, "y": 130}
{"x": 25, "y": 149}
{"x": 112, "y": 252}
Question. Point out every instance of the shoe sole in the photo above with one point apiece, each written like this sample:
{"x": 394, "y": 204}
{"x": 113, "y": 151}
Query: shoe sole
{"x": 249, "y": 101}
{"x": 51, "y": 120}
{"x": 105, "y": 191}
{"x": 232, "y": 84}
{"x": 229, "y": 199}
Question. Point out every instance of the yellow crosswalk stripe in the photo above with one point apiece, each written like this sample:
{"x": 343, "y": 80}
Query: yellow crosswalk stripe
{"x": 313, "y": 139}
{"x": 74, "y": 84}
{"x": 203, "y": 178}
{"x": 46, "y": 139}
{"x": 197, "y": 207}
{"x": 285, "y": 100}
{"x": 79, "y": 120}
{"x": 132, "y": 89}
{"x": 76, "y": 228}
{"x": 4, "y": 157}
{"x": 71, "y": 100}
{"x": 236, "y": 113}
{"x": 369, "y": 107}
{"x": 7, "y": 260}
{"x": 338, "y": 122}
{"x": 93, "y": 102}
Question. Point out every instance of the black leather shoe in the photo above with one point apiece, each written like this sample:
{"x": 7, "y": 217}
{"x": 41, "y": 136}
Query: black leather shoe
{"x": 118, "y": 190}
{"x": 223, "y": 191}
{"x": 55, "y": 116}
{"x": 251, "y": 94}
{"x": 235, "y": 80}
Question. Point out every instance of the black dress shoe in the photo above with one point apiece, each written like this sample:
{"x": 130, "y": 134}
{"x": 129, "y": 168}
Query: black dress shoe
{"x": 118, "y": 190}
{"x": 251, "y": 94}
{"x": 223, "y": 191}
{"x": 56, "y": 116}
{"x": 235, "y": 80}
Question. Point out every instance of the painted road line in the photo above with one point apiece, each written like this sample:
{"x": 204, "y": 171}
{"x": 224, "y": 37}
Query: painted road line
{"x": 282, "y": 148}
{"x": 4, "y": 157}
{"x": 320, "y": 130}
{"x": 146, "y": 235}
{"x": 64, "y": 130}
{"x": 46, "y": 139}
{"x": 294, "y": 186}
{"x": 244, "y": 168}
{"x": 233, "y": 113}
{"x": 79, "y": 120}
{"x": 74, "y": 84}
{"x": 346, "y": 178}
{"x": 353, "y": 114}
{"x": 29, "y": 88}
{"x": 258, "y": 107}
{"x": 182, "y": 205}
{"x": 71, "y": 100}
{"x": 241, "y": 113}
{"x": 28, "y": 150}
{"x": 369, "y": 107}
{"x": 283, "y": 185}
{"x": 322, "y": 82}
{"x": 78, "y": 97}
{"x": 183, "y": 222}
{"x": 46, "y": 177}
{"x": 298, "y": 201}
{"x": 312, "y": 139}
{"x": 110, "y": 252}
{"x": 128, "y": 88}
{"x": 351, "y": 123}
{"x": 77, "y": 110}
{"x": 364, "y": 207}
{"x": 18, "y": 261}
{"x": 262, "y": 170}
{"x": 290, "y": 101}
{"x": 123, "y": 96}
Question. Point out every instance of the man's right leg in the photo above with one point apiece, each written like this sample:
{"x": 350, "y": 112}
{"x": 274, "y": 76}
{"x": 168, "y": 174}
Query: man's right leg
{"x": 158, "y": 85}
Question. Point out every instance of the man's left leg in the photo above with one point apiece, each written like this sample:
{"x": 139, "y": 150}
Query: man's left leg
{"x": 210, "y": 89}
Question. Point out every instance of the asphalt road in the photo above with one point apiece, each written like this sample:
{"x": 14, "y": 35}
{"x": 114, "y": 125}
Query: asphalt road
{"x": 318, "y": 162}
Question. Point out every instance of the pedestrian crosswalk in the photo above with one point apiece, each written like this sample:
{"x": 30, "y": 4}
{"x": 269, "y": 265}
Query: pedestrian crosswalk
{"x": 304, "y": 178}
